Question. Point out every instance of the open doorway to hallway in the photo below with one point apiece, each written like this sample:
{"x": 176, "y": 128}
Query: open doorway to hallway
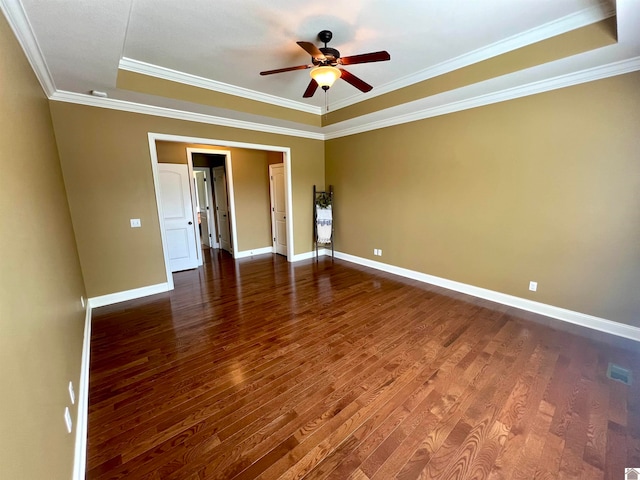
{"x": 248, "y": 206}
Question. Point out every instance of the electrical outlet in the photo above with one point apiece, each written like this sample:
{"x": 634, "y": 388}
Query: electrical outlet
{"x": 135, "y": 223}
{"x": 377, "y": 252}
{"x": 533, "y": 286}
{"x": 72, "y": 394}
{"x": 67, "y": 419}
{"x": 380, "y": 252}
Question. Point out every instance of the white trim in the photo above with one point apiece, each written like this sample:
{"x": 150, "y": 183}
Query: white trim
{"x": 272, "y": 203}
{"x": 194, "y": 214}
{"x": 110, "y": 299}
{"x": 132, "y": 107}
{"x": 17, "y": 18}
{"x": 149, "y": 69}
{"x": 551, "y": 29}
{"x": 255, "y": 251}
{"x": 80, "y": 455}
{"x": 562, "y": 81}
{"x": 228, "y": 167}
{"x": 577, "y": 318}
{"x": 574, "y": 78}
{"x": 312, "y": 254}
{"x": 288, "y": 197}
{"x": 153, "y": 154}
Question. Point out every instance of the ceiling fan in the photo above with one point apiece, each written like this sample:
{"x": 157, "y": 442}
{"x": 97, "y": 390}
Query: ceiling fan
{"x": 325, "y": 63}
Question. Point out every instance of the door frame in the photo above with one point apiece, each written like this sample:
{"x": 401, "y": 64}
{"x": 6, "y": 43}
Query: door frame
{"x": 209, "y": 195}
{"x": 228, "y": 203}
{"x": 286, "y": 156}
{"x": 232, "y": 203}
{"x": 230, "y": 193}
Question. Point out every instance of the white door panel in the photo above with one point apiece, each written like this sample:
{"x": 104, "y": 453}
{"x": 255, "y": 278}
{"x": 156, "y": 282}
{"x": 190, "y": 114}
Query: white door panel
{"x": 202, "y": 206}
{"x": 177, "y": 210}
{"x": 222, "y": 208}
{"x": 278, "y": 208}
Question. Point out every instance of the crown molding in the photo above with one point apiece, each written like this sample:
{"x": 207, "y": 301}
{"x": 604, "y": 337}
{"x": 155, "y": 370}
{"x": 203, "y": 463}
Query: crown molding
{"x": 132, "y": 107}
{"x": 575, "y": 78}
{"x": 17, "y": 18}
{"x": 157, "y": 71}
{"x": 557, "y": 27}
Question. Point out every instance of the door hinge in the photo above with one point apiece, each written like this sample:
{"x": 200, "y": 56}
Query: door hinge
{"x": 271, "y": 177}
{"x": 273, "y": 209}
{"x": 274, "y": 239}
{"x": 205, "y": 179}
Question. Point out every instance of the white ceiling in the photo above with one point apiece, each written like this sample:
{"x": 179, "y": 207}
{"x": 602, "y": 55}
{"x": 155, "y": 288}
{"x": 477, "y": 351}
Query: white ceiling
{"x": 227, "y": 42}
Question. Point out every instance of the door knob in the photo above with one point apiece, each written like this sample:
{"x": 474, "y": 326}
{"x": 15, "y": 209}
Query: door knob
{"x": 190, "y": 223}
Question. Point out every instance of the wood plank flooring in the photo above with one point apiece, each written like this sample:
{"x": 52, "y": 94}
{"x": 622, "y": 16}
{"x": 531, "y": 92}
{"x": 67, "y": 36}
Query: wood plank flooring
{"x": 259, "y": 369}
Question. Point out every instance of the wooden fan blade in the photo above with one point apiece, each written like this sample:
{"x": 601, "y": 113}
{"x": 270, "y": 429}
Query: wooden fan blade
{"x": 287, "y": 69}
{"x": 355, "y": 81}
{"x": 311, "y": 89}
{"x": 365, "y": 58}
{"x": 312, "y": 50}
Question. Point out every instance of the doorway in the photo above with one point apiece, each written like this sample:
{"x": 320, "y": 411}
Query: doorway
{"x": 220, "y": 187}
{"x": 215, "y": 146}
{"x": 222, "y": 194}
{"x": 205, "y": 207}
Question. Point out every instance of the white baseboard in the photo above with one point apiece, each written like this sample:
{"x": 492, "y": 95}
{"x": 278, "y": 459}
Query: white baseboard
{"x": 311, "y": 254}
{"x": 251, "y": 253}
{"x": 101, "y": 301}
{"x": 80, "y": 455}
{"x": 577, "y": 318}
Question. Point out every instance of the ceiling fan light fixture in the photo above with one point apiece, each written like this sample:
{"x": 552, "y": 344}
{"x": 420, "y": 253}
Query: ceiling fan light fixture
{"x": 325, "y": 75}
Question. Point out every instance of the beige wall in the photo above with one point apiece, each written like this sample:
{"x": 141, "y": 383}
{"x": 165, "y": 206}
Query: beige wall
{"x": 41, "y": 319}
{"x": 250, "y": 169}
{"x": 543, "y": 188}
{"x": 107, "y": 168}
{"x": 251, "y": 193}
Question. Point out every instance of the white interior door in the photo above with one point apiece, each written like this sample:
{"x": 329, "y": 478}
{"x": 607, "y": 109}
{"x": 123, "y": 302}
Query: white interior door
{"x": 278, "y": 208}
{"x": 207, "y": 205}
{"x": 202, "y": 207}
{"x": 222, "y": 208}
{"x": 177, "y": 210}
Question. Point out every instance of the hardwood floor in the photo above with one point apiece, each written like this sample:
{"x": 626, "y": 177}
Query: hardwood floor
{"x": 261, "y": 369}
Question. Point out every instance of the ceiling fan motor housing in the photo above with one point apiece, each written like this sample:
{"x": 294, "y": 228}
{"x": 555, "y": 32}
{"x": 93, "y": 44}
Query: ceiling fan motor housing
{"x": 331, "y": 56}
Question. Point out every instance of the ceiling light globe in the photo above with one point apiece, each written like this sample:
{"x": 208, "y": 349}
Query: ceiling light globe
{"x": 325, "y": 76}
